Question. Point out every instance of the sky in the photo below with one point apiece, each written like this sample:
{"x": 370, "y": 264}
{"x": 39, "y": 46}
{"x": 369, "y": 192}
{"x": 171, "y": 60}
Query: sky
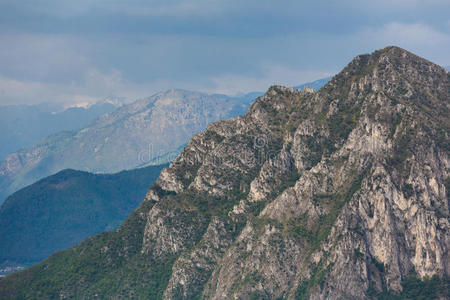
{"x": 87, "y": 50}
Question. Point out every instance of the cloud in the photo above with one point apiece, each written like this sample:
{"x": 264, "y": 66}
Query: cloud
{"x": 73, "y": 70}
{"x": 94, "y": 87}
{"x": 232, "y": 18}
{"x": 84, "y": 50}
{"x": 416, "y": 37}
{"x": 412, "y": 34}
{"x": 43, "y": 57}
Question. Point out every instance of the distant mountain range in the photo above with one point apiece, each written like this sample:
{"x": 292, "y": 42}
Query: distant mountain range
{"x": 61, "y": 210}
{"x": 130, "y": 136}
{"x": 146, "y": 132}
{"x": 21, "y": 126}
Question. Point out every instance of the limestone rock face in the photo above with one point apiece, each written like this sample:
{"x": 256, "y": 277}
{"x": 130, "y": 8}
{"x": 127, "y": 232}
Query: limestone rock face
{"x": 336, "y": 194}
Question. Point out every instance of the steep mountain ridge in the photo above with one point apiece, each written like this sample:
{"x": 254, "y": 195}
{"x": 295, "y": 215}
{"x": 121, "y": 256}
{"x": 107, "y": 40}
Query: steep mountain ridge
{"x": 337, "y": 194}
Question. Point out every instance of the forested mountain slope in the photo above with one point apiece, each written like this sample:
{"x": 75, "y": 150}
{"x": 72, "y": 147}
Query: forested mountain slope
{"x": 61, "y": 210}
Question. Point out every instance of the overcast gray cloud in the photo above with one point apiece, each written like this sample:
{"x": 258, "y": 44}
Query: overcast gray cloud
{"x": 83, "y": 51}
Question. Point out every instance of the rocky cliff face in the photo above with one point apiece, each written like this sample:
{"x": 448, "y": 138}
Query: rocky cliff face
{"x": 335, "y": 194}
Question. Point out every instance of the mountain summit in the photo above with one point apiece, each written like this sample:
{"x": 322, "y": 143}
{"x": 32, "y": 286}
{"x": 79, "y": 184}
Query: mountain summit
{"x": 336, "y": 194}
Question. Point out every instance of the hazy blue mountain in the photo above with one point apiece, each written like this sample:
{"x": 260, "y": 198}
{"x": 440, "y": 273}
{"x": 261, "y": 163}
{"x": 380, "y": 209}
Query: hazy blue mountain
{"x": 63, "y": 209}
{"x": 131, "y": 136}
{"x": 149, "y": 131}
{"x": 316, "y": 85}
{"x": 21, "y": 126}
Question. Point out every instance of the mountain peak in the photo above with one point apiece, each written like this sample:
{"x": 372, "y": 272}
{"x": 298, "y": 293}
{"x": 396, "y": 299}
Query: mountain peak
{"x": 393, "y": 71}
{"x": 396, "y": 57}
{"x": 303, "y": 193}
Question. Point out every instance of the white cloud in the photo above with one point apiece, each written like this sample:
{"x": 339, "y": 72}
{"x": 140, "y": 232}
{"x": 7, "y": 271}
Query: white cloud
{"x": 94, "y": 87}
{"x": 82, "y": 68}
{"x": 43, "y": 57}
{"x": 419, "y": 38}
{"x": 13, "y": 91}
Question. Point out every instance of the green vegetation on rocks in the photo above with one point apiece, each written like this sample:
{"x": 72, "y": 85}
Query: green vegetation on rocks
{"x": 334, "y": 194}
